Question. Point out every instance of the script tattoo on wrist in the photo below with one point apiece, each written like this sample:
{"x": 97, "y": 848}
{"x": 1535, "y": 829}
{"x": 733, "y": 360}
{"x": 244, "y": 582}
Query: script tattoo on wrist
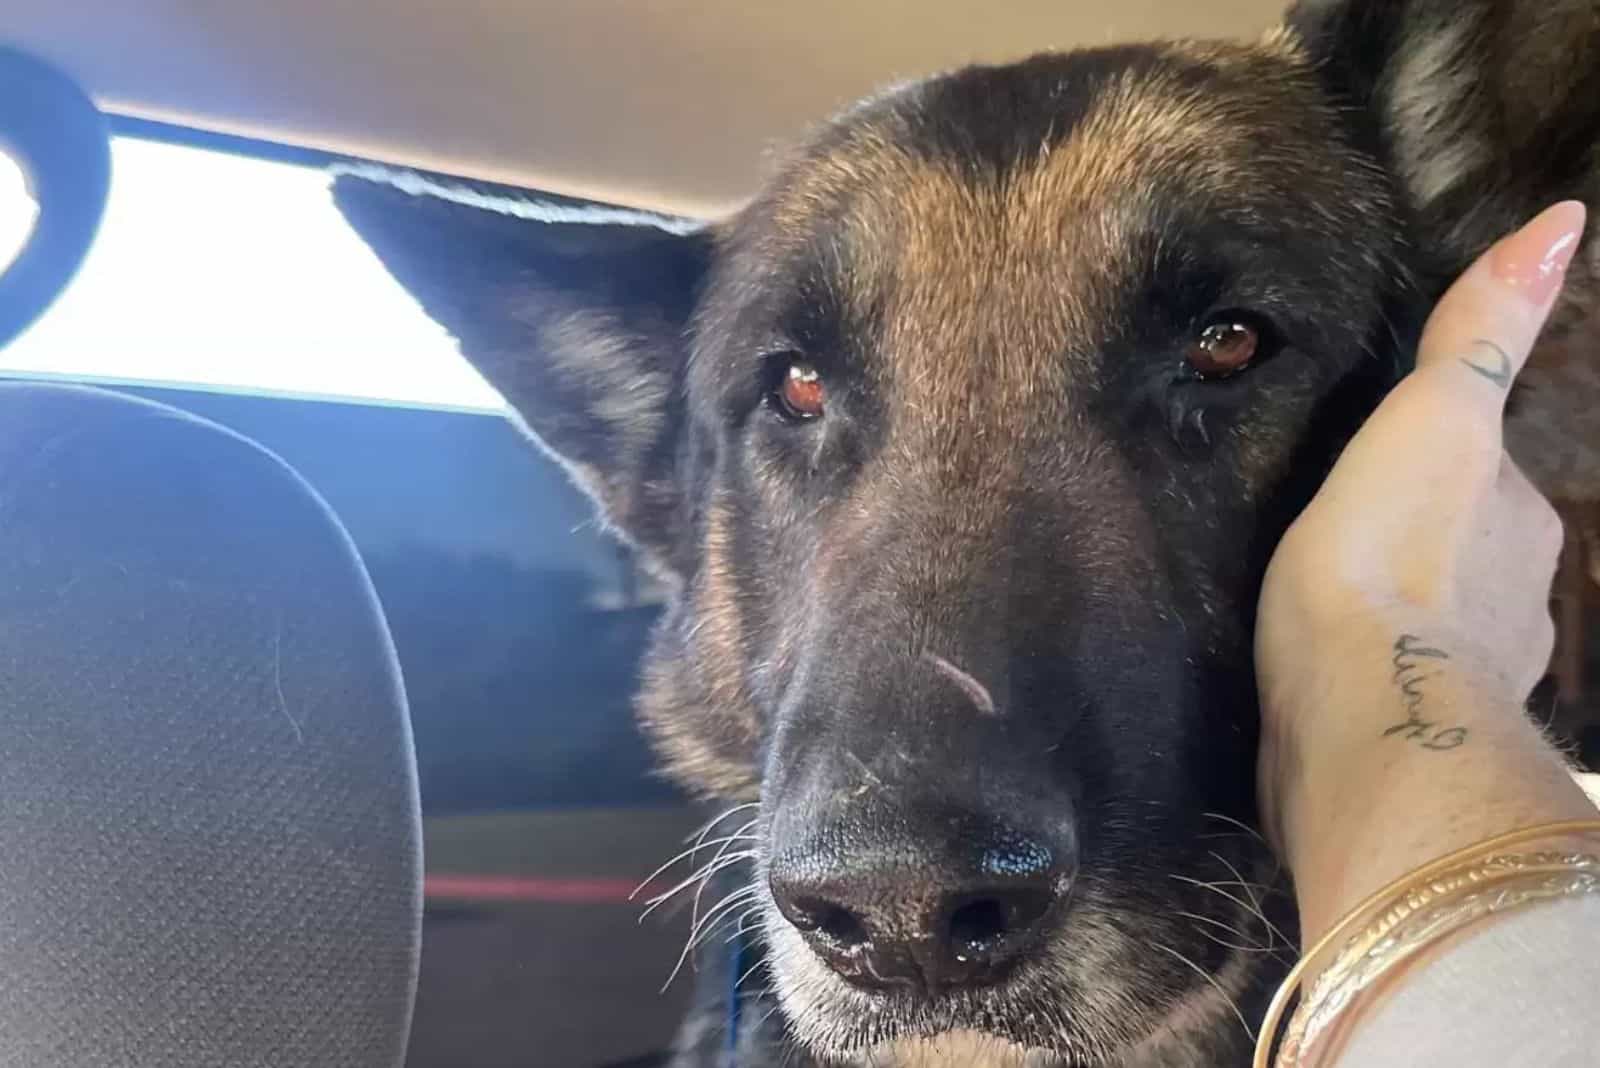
{"x": 1411, "y": 656}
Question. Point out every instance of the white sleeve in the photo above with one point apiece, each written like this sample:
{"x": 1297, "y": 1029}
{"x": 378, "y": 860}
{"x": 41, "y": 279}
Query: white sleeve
{"x": 1521, "y": 989}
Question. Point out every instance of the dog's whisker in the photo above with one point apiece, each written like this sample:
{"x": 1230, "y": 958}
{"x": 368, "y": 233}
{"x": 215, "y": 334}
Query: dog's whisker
{"x": 705, "y": 925}
{"x": 1247, "y": 884}
{"x": 705, "y": 829}
{"x": 1212, "y": 921}
{"x": 1254, "y": 891}
{"x": 1242, "y": 826}
{"x": 1247, "y": 905}
{"x": 744, "y": 918}
{"x": 709, "y": 925}
{"x": 722, "y": 852}
{"x": 720, "y": 865}
{"x": 1215, "y": 985}
{"x": 719, "y": 915}
{"x": 766, "y": 1018}
{"x": 700, "y": 840}
{"x": 1237, "y": 874}
{"x": 1244, "y": 945}
{"x": 704, "y": 874}
{"x": 697, "y": 879}
{"x": 748, "y": 972}
{"x": 698, "y": 875}
{"x": 689, "y": 852}
{"x": 730, "y": 900}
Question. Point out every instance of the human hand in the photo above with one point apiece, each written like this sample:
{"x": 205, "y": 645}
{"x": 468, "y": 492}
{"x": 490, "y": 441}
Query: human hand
{"x": 1425, "y": 561}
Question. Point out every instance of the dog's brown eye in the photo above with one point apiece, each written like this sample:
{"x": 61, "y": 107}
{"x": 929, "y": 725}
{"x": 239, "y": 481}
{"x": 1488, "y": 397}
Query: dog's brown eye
{"x": 800, "y": 394}
{"x": 1222, "y": 349}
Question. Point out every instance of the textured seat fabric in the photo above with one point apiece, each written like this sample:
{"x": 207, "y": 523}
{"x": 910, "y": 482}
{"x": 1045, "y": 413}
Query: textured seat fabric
{"x": 209, "y": 829}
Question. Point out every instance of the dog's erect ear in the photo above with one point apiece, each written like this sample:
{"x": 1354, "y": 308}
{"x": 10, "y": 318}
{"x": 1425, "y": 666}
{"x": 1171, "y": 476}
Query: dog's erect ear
{"x": 577, "y": 316}
{"x": 1485, "y": 110}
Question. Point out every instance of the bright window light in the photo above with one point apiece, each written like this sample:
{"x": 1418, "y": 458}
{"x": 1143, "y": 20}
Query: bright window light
{"x": 17, "y": 210}
{"x": 221, "y": 271}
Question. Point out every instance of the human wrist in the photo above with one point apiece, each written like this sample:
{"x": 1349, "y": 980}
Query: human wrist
{"x": 1400, "y": 749}
{"x": 1384, "y": 667}
{"x": 1379, "y": 811}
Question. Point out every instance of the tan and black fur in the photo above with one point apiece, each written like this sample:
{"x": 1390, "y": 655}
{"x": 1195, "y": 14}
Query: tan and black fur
{"x": 1015, "y": 487}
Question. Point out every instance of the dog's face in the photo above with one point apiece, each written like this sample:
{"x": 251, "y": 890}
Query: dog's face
{"x": 983, "y": 508}
{"x": 966, "y": 443}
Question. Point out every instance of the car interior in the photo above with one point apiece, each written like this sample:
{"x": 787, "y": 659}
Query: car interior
{"x": 316, "y": 675}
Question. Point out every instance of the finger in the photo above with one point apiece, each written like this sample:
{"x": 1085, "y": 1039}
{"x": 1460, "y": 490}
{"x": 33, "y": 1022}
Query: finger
{"x": 1483, "y": 328}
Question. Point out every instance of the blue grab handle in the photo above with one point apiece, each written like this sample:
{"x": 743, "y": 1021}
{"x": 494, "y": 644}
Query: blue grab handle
{"x": 61, "y": 141}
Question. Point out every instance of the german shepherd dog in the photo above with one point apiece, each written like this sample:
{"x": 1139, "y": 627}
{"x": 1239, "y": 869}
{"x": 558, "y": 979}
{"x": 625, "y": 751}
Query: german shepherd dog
{"x": 965, "y": 444}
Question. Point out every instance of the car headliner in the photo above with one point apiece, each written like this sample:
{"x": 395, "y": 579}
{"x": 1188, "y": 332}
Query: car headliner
{"x": 664, "y": 104}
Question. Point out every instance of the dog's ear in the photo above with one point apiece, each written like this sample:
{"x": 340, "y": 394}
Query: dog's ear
{"x": 577, "y": 316}
{"x": 1485, "y": 110}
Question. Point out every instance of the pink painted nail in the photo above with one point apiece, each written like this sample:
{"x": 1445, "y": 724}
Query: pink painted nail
{"x": 1534, "y": 259}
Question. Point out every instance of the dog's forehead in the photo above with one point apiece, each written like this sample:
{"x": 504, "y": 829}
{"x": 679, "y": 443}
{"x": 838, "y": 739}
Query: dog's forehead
{"x": 1054, "y": 177}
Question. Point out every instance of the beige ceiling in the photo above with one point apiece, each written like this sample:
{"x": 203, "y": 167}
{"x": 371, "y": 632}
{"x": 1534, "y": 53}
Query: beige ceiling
{"x": 668, "y": 104}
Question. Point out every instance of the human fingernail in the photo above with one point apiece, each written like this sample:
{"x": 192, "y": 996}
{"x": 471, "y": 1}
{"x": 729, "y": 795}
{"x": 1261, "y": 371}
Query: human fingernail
{"x": 1534, "y": 260}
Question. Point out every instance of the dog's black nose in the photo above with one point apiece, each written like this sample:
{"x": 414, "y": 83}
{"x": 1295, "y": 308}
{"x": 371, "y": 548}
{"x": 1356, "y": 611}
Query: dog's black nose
{"x": 887, "y": 914}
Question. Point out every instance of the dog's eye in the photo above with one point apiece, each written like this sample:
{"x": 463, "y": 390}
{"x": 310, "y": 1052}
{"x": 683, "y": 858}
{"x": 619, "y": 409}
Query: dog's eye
{"x": 799, "y": 394}
{"x": 1224, "y": 347}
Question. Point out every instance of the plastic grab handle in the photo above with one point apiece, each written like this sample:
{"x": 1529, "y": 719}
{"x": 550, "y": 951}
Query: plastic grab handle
{"x": 60, "y": 140}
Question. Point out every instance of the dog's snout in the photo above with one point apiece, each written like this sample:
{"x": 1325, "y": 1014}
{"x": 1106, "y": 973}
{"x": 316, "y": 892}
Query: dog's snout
{"x": 903, "y": 914}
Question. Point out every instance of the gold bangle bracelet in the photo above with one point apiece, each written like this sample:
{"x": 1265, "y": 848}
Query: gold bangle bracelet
{"x": 1423, "y": 917}
{"x": 1386, "y": 896}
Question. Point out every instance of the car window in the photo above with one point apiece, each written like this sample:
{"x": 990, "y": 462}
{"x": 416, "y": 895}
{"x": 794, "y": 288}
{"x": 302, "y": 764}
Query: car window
{"x": 17, "y": 209}
{"x": 225, "y": 271}
{"x": 228, "y": 286}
